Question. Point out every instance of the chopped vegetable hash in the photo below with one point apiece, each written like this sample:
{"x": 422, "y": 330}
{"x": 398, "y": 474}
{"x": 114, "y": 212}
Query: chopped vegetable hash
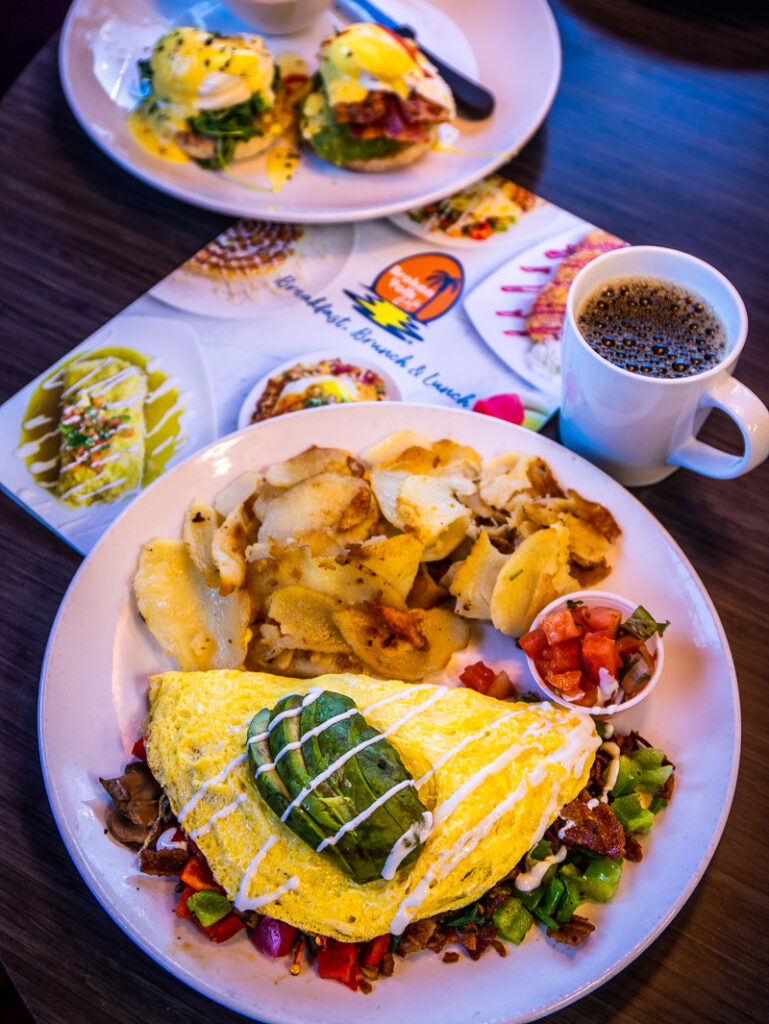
{"x": 579, "y": 860}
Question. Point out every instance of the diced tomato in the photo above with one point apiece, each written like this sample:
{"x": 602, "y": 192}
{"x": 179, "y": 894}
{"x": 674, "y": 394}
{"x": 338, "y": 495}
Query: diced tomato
{"x": 375, "y": 950}
{"x": 477, "y": 676}
{"x": 560, "y": 626}
{"x": 274, "y": 938}
{"x": 197, "y": 875}
{"x": 480, "y": 232}
{"x": 567, "y": 683}
{"x": 224, "y": 929}
{"x": 338, "y": 961}
{"x": 182, "y": 910}
{"x": 599, "y": 652}
{"x": 590, "y": 690}
{"x": 533, "y": 643}
{"x": 601, "y": 618}
{"x": 138, "y": 750}
{"x": 564, "y": 657}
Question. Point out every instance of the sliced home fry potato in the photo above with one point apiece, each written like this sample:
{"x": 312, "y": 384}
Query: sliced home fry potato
{"x": 335, "y": 502}
{"x": 414, "y": 459}
{"x": 386, "y": 486}
{"x": 228, "y": 549}
{"x": 586, "y": 544}
{"x": 429, "y": 506}
{"x": 475, "y": 578}
{"x": 310, "y": 463}
{"x": 352, "y": 584}
{"x": 307, "y": 618}
{"x": 425, "y": 592}
{"x": 200, "y": 524}
{"x": 460, "y": 459}
{"x": 393, "y": 445}
{"x": 190, "y": 621}
{"x": 393, "y": 559}
{"x": 237, "y": 493}
{"x": 393, "y": 657}
{"x": 504, "y": 477}
{"x": 521, "y": 583}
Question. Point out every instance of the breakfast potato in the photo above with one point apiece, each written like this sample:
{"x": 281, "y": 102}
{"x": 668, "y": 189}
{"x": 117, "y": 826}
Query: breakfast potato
{"x": 228, "y": 548}
{"x": 503, "y": 478}
{"x": 392, "y": 446}
{"x": 312, "y": 462}
{"x": 474, "y": 581}
{"x": 392, "y": 559}
{"x": 238, "y": 492}
{"x": 200, "y": 524}
{"x": 536, "y": 573}
{"x": 403, "y": 649}
{"x": 352, "y": 584}
{"x": 191, "y": 621}
{"x": 306, "y": 619}
{"x": 337, "y": 502}
{"x": 426, "y": 505}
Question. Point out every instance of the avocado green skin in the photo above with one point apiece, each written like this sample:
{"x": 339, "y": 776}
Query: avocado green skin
{"x": 276, "y": 795}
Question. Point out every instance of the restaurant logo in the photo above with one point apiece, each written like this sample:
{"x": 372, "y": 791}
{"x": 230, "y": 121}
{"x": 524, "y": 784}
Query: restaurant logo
{"x": 411, "y": 292}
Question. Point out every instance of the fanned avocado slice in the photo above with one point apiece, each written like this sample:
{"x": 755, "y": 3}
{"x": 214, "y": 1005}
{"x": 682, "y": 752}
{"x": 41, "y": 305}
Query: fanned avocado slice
{"x": 275, "y": 794}
{"x": 297, "y": 760}
{"x": 382, "y": 828}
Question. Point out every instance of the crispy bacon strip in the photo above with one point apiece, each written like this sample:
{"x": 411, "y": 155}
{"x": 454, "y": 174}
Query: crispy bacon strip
{"x": 595, "y": 828}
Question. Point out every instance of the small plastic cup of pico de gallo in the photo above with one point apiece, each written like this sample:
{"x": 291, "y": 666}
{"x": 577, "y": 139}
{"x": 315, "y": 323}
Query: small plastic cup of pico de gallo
{"x": 595, "y": 652}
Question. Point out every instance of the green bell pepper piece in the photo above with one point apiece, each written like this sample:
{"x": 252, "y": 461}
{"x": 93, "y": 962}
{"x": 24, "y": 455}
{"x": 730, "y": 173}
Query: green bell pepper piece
{"x": 513, "y": 920}
{"x": 542, "y": 849}
{"x": 628, "y": 776}
{"x": 653, "y": 779}
{"x": 570, "y": 900}
{"x": 631, "y": 815}
{"x": 208, "y": 906}
{"x": 659, "y": 803}
{"x": 552, "y": 897}
{"x": 600, "y": 879}
{"x": 530, "y": 899}
{"x": 648, "y": 757}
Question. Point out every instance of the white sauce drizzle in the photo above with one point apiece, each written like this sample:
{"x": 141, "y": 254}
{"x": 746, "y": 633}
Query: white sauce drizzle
{"x": 220, "y": 777}
{"x": 612, "y": 769}
{"x": 536, "y": 870}
{"x": 166, "y": 841}
{"x": 401, "y": 849}
{"x": 467, "y": 842}
{"x": 440, "y": 691}
{"x": 360, "y": 818}
{"x": 203, "y": 830}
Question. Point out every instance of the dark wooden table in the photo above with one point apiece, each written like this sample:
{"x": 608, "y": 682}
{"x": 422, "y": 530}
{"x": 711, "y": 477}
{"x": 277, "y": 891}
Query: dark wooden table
{"x": 657, "y": 135}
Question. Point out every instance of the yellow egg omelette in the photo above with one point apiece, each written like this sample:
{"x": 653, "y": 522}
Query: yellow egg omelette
{"x": 493, "y": 776}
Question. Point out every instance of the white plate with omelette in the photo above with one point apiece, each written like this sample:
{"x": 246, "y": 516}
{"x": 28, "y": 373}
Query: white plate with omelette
{"x": 515, "y": 42}
{"x": 693, "y": 715}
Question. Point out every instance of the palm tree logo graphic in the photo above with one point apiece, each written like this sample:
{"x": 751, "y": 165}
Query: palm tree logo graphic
{"x": 443, "y": 282}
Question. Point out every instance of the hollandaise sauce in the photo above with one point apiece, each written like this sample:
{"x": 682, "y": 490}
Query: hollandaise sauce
{"x": 42, "y": 436}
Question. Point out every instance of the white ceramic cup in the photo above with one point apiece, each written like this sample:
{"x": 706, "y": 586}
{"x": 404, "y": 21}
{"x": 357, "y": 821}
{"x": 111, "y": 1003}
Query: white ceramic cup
{"x": 641, "y": 429}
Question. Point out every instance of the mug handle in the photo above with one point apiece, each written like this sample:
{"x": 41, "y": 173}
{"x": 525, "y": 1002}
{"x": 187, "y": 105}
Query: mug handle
{"x": 751, "y": 416}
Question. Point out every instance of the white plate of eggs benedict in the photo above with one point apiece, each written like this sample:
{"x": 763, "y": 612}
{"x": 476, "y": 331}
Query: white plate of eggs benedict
{"x": 192, "y": 102}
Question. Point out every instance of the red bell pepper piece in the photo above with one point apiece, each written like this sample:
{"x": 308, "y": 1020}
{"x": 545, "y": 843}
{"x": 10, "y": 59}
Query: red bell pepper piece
{"x": 338, "y": 961}
{"x": 197, "y": 874}
{"x": 375, "y": 950}
{"x": 139, "y": 751}
{"x": 224, "y": 929}
{"x": 273, "y": 938}
{"x": 182, "y": 910}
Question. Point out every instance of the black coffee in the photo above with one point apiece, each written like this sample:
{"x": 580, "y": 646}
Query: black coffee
{"x": 653, "y": 327}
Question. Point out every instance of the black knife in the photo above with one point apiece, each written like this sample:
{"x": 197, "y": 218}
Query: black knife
{"x": 472, "y": 100}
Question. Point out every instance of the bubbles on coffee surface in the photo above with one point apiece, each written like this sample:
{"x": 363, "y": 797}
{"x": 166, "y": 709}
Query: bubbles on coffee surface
{"x": 652, "y": 327}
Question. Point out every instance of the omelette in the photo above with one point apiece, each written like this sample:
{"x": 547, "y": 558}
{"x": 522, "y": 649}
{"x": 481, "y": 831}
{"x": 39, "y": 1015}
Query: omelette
{"x": 492, "y": 776}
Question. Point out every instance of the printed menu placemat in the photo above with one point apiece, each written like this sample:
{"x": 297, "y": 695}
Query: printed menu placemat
{"x": 188, "y": 362}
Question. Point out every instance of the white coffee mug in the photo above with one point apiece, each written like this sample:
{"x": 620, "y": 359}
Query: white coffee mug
{"x": 640, "y": 429}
